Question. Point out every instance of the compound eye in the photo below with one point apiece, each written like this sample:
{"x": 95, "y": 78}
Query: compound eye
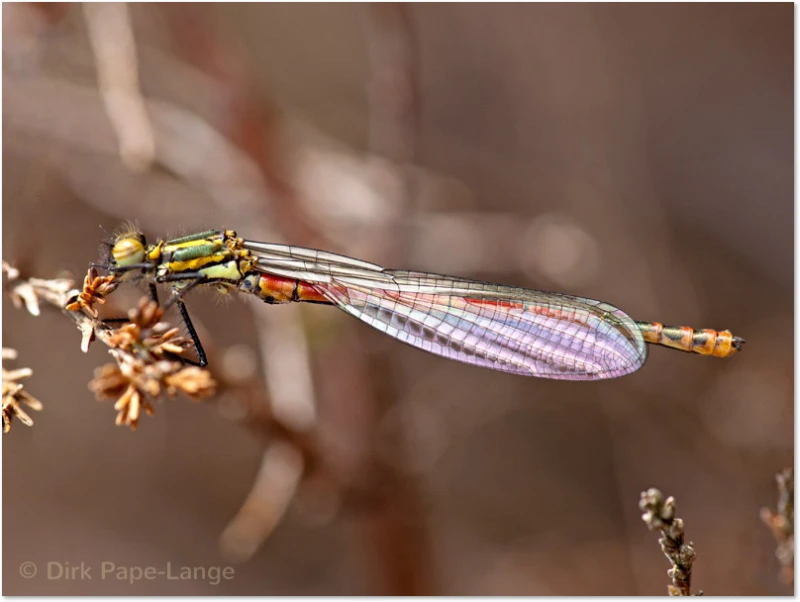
{"x": 128, "y": 251}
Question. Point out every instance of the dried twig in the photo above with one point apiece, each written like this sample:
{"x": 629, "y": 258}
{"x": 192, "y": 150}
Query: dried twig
{"x": 29, "y": 292}
{"x": 14, "y": 395}
{"x": 147, "y": 350}
{"x": 659, "y": 513}
{"x": 781, "y": 523}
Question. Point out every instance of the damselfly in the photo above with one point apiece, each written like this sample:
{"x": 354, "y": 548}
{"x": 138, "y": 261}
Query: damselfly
{"x": 505, "y": 328}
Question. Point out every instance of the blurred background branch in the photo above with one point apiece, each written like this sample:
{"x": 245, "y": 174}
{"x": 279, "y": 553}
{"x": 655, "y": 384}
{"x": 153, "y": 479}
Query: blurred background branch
{"x": 781, "y": 523}
{"x": 111, "y": 36}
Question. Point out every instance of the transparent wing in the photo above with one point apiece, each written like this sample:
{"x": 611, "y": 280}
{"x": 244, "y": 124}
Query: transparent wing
{"x": 504, "y": 328}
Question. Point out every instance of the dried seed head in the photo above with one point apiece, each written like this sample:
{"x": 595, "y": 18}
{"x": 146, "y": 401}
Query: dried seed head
{"x": 10, "y": 271}
{"x": 192, "y": 381}
{"x": 135, "y": 385}
{"x": 146, "y": 314}
{"x": 109, "y": 382}
{"x": 95, "y": 289}
{"x": 14, "y": 395}
{"x": 659, "y": 513}
{"x": 146, "y": 336}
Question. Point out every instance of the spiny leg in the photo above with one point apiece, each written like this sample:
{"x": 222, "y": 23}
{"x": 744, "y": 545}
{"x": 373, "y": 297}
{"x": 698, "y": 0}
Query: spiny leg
{"x": 196, "y": 278}
{"x": 153, "y": 292}
{"x": 198, "y": 346}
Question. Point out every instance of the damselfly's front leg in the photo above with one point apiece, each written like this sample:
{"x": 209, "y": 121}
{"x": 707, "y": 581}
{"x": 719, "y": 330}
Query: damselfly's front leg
{"x": 176, "y": 298}
{"x": 196, "y": 278}
{"x": 117, "y": 269}
{"x": 198, "y": 346}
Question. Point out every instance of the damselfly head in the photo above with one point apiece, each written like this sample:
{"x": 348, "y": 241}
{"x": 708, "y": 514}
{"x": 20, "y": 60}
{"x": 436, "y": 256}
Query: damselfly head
{"x": 129, "y": 249}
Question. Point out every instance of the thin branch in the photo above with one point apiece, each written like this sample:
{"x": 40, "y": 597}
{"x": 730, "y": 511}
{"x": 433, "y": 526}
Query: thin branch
{"x": 781, "y": 523}
{"x": 111, "y": 36}
{"x": 659, "y": 514}
{"x": 393, "y": 86}
{"x": 14, "y": 394}
{"x": 396, "y": 528}
{"x": 282, "y": 468}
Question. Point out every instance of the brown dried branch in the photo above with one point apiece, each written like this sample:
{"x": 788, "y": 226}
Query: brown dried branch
{"x": 781, "y": 523}
{"x": 29, "y": 292}
{"x": 14, "y": 395}
{"x": 659, "y": 513}
{"x": 147, "y": 350}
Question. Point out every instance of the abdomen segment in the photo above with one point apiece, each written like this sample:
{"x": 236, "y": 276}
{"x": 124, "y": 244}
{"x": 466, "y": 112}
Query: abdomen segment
{"x": 719, "y": 343}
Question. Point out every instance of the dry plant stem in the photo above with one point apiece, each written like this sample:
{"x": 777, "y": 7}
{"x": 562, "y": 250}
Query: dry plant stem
{"x": 395, "y": 520}
{"x": 111, "y": 36}
{"x": 393, "y": 89}
{"x": 659, "y": 514}
{"x": 396, "y": 527}
{"x": 781, "y": 523}
{"x": 14, "y": 395}
{"x": 30, "y": 293}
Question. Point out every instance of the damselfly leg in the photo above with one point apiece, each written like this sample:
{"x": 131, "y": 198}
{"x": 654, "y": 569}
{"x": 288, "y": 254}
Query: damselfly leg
{"x": 198, "y": 346}
{"x": 176, "y": 299}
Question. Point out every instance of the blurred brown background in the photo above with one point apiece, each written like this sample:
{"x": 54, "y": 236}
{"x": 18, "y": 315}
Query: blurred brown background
{"x": 639, "y": 154}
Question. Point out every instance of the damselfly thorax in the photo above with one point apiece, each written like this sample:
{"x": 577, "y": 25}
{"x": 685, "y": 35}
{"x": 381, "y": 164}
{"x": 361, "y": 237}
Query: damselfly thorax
{"x": 213, "y": 256}
{"x": 505, "y": 328}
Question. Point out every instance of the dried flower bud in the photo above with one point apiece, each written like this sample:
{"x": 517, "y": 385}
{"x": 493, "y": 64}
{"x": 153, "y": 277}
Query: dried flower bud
{"x": 14, "y": 394}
